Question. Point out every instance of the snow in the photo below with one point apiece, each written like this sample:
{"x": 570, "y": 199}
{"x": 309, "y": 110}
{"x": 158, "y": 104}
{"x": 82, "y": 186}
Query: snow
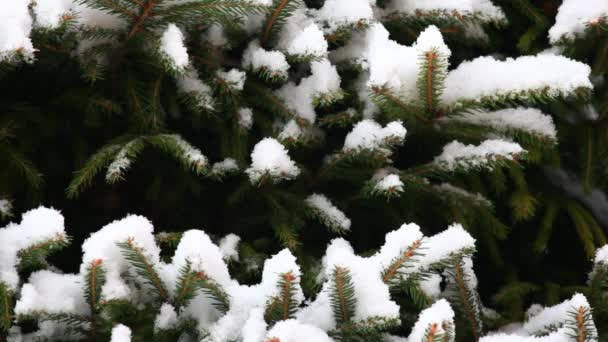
{"x": 245, "y": 117}
{"x": 309, "y": 42}
{"x": 15, "y": 27}
{"x": 458, "y": 155}
{"x": 555, "y": 315}
{"x": 328, "y": 213}
{"x": 484, "y": 9}
{"x": 190, "y": 153}
{"x": 227, "y": 165}
{"x": 451, "y": 189}
{"x": 439, "y": 313}
{"x": 486, "y": 77}
{"x": 529, "y": 120}
{"x": 369, "y": 135}
{"x": 291, "y": 131}
{"x": 215, "y": 36}
{"x": 323, "y": 82}
{"x": 49, "y": 13}
{"x": 389, "y": 183}
{"x": 254, "y": 328}
{"x": 451, "y": 241}
{"x": 189, "y": 83}
{"x": 121, "y": 163}
{"x": 37, "y": 226}
{"x": 293, "y": 331}
{"x": 121, "y": 333}
{"x": 574, "y": 16}
{"x": 270, "y": 158}
{"x": 339, "y": 13}
{"x": 52, "y": 293}
{"x": 6, "y": 208}
{"x": 561, "y": 335}
{"x": 601, "y": 255}
{"x": 229, "y": 247}
{"x": 102, "y": 245}
{"x": 431, "y": 40}
{"x": 260, "y": 60}
{"x": 247, "y": 301}
{"x": 173, "y": 48}
{"x": 166, "y": 318}
{"x": 234, "y": 78}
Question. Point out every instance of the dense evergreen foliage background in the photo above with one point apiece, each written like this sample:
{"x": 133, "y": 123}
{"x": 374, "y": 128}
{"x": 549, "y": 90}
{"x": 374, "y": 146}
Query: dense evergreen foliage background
{"x": 51, "y": 120}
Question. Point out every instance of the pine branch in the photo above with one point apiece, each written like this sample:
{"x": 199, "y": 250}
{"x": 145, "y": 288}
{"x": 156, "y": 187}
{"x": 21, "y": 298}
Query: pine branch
{"x": 144, "y": 268}
{"x": 342, "y": 295}
{"x": 34, "y": 257}
{"x": 283, "y": 9}
{"x": 145, "y": 13}
{"x": 94, "y": 279}
{"x": 284, "y": 305}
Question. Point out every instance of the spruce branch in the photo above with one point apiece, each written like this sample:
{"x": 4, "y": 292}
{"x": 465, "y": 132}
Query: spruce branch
{"x": 220, "y": 299}
{"x": 581, "y": 326}
{"x": 144, "y": 268}
{"x": 94, "y": 280}
{"x": 34, "y": 257}
{"x": 284, "y": 305}
{"x": 6, "y": 304}
{"x": 431, "y": 78}
{"x": 186, "y": 285}
{"x": 397, "y": 266}
{"x": 206, "y": 11}
{"x": 463, "y": 296}
{"x": 15, "y": 160}
{"x": 283, "y": 9}
{"x": 342, "y": 296}
{"x": 84, "y": 177}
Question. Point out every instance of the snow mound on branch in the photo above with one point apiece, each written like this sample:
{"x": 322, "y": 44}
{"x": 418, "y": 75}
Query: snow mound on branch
{"x": 293, "y": 331}
{"x": 270, "y": 158}
{"x": 529, "y": 120}
{"x": 555, "y": 315}
{"x": 234, "y": 78}
{"x": 369, "y": 135}
{"x": 575, "y": 16}
{"x": 438, "y": 313}
{"x": 601, "y": 255}
{"x": 15, "y": 27}
{"x": 458, "y": 155}
{"x": 173, "y": 48}
{"x": 329, "y": 214}
{"x": 166, "y": 318}
{"x": 37, "y": 226}
{"x": 229, "y": 247}
{"x": 338, "y": 13}
{"x": 245, "y": 117}
{"x": 488, "y": 77}
{"x": 323, "y": 81}
{"x": 301, "y": 36}
{"x": 102, "y": 245}
{"x": 390, "y": 182}
{"x": 52, "y": 293}
{"x": 260, "y": 60}
{"x": 483, "y": 8}
{"x": 188, "y": 83}
{"x": 121, "y": 333}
